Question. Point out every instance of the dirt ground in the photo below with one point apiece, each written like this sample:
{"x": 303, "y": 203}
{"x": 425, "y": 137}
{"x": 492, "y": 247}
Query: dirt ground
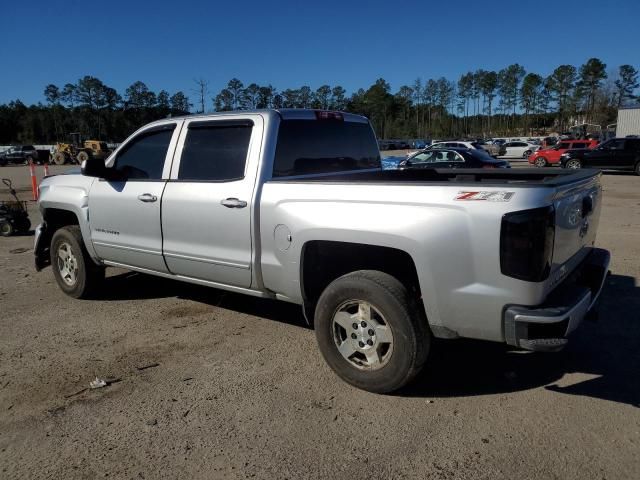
{"x": 207, "y": 384}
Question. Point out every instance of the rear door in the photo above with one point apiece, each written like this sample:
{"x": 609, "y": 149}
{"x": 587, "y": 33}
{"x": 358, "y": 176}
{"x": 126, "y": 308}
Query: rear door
{"x": 124, "y": 215}
{"x": 604, "y": 156}
{"x": 627, "y": 157}
{"x": 206, "y": 206}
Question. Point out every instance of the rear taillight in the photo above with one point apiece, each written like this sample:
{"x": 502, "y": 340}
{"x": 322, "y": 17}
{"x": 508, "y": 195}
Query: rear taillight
{"x": 526, "y": 243}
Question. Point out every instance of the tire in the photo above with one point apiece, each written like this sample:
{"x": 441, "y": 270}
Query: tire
{"x": 6, "y": 229}
{"x": 59, "y": 158}
{"x": 540, "y": 162}
{"x": 82, "y": 157}
{"x": 573, "y": 164}
{"x": 76, "y": 274}
{"x": 637, "y": 169}
{"x": 526, "y": 154}
{"x": 28, "y": 160}
{"x": 379, "y": 359}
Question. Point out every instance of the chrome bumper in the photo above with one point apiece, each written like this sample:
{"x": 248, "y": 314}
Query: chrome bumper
{"x": 545, "y": 327}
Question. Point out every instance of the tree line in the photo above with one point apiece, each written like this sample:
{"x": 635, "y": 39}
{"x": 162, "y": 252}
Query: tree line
{"x": 481, "y": 103}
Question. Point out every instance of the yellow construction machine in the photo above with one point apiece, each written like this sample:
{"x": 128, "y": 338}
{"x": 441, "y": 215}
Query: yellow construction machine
{"x": 77, "y": 151}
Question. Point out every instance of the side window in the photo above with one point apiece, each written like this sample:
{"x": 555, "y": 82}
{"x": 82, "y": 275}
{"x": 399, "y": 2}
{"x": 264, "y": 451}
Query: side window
{"x": 617, "y": 144}
{"x": 564, "y": 146}
{"x": 143, "y": 157}
{"x": 425, "y": 157}
{"x": 215, "y": 151}
{"x": 579, "y": 145}
{"x": 455, "y": 157}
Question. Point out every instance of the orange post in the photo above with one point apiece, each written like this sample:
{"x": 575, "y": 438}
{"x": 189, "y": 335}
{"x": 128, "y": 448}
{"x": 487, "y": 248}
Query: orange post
{"x": 34, "y": 182}
{"x": 45, "y": 166}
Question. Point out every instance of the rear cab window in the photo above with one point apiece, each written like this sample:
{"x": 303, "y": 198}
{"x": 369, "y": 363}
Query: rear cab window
{"x": 324, "y": 146}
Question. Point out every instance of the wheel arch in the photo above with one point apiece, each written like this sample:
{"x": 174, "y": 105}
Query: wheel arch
{"x": 323, "y": 261}
{"x": 54, "y": 218}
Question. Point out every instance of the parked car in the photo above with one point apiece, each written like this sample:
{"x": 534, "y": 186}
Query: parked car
{"x": 519, "y": 149}
{"x": 616, "y": 154}
{"x": 493, "y": 149}
{"x": 293, "y": 205}
{"x": 452, "y": 158}
{"x": 18, "y": 154}
{"x": 489, "y": 149}
{"x": 551, "y": 156}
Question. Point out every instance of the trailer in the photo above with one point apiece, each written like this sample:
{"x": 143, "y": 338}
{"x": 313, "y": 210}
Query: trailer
{"x": 628, "y": 122}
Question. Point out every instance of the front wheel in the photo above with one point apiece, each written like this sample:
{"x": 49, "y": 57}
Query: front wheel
{"x": 371, "y": 331}
{"x": 540, "y": 162}
{"x": 59, "y": 158}
{"x": 573, "y": 164}
{"x": 76, "y": 274}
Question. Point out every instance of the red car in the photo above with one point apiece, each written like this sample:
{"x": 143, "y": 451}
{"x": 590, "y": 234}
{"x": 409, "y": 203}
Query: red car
{"x": 551, "y": 155}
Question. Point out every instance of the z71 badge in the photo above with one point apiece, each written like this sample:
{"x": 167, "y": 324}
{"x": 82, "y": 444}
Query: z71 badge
{"x": 486, "y": 196}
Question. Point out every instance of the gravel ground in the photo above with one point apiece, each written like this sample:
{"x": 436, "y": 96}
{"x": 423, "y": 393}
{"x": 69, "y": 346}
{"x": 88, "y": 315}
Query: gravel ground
{"x": 207, "y": 384}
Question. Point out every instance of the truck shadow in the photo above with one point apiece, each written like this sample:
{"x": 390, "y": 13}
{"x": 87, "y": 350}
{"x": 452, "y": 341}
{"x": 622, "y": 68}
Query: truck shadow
{"x": 604, "y": 356}
{"x": 138, "y": 286}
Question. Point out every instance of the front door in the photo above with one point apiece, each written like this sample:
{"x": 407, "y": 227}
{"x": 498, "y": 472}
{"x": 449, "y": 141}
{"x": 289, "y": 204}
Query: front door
{"x": 124, "y": 215}
{"x": 206, "y": 206}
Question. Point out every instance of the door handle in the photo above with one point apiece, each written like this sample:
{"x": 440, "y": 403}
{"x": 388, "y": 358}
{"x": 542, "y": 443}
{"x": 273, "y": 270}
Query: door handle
{"x": 147, "y": 197}
{"x": 233, "y": 203}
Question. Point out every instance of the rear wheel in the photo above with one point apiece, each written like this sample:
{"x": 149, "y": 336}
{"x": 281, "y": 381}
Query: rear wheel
{"x": 82, "y": 157}
{"x": 526, "y": 154}
{"x": 76, "y": 274}
{"x": 573, "y": 164}
{"x": 540, "y": 162}
{"x": 6, "y": 229}
{"x": 371, "y": 331}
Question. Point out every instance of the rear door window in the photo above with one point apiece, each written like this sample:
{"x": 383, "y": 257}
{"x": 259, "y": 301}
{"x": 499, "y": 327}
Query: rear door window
{"x": 215, "y": 151}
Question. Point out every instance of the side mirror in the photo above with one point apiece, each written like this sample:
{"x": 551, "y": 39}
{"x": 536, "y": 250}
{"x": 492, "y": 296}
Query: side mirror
{"x": 94, "y": 167}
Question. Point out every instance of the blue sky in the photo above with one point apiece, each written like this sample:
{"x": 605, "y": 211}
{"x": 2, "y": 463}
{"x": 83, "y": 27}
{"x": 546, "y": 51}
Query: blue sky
{"x": 292, "y": 43}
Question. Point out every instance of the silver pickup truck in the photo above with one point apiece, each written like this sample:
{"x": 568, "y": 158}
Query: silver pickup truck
{"x": 293, "y": 205}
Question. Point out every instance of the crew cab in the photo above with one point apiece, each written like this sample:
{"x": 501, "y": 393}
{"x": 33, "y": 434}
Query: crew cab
{"x": 293, "y": 205}
{"x": 621, "y": 154}
{"x": 551, "y": 155}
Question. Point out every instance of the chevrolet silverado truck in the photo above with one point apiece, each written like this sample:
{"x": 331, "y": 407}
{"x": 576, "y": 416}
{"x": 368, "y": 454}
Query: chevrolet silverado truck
{"x": 293, "y": 205}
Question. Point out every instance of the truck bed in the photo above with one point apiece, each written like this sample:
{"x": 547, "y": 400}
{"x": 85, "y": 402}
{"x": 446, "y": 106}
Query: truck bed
{"x": 525, "y": 177}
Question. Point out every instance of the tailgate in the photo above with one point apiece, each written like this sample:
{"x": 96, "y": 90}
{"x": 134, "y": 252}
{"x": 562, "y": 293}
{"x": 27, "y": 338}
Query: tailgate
{"x": 577, "y": 212}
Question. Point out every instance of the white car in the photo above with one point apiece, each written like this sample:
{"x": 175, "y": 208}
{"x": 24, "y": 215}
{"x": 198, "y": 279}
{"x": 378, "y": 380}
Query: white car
{"x": 520, "y": 149}
{"x": 454, "y": 144}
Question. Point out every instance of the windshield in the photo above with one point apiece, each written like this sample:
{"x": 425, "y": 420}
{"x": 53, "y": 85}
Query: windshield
{"x": 324, "y": 146}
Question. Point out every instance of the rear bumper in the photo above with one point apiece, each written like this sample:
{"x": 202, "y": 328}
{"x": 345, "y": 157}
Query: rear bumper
{"x": 545, "y": 327}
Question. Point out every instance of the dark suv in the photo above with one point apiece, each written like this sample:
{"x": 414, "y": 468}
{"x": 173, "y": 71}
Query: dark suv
{"x": 615, "y": 154}
{"x": 18, "y": 154}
